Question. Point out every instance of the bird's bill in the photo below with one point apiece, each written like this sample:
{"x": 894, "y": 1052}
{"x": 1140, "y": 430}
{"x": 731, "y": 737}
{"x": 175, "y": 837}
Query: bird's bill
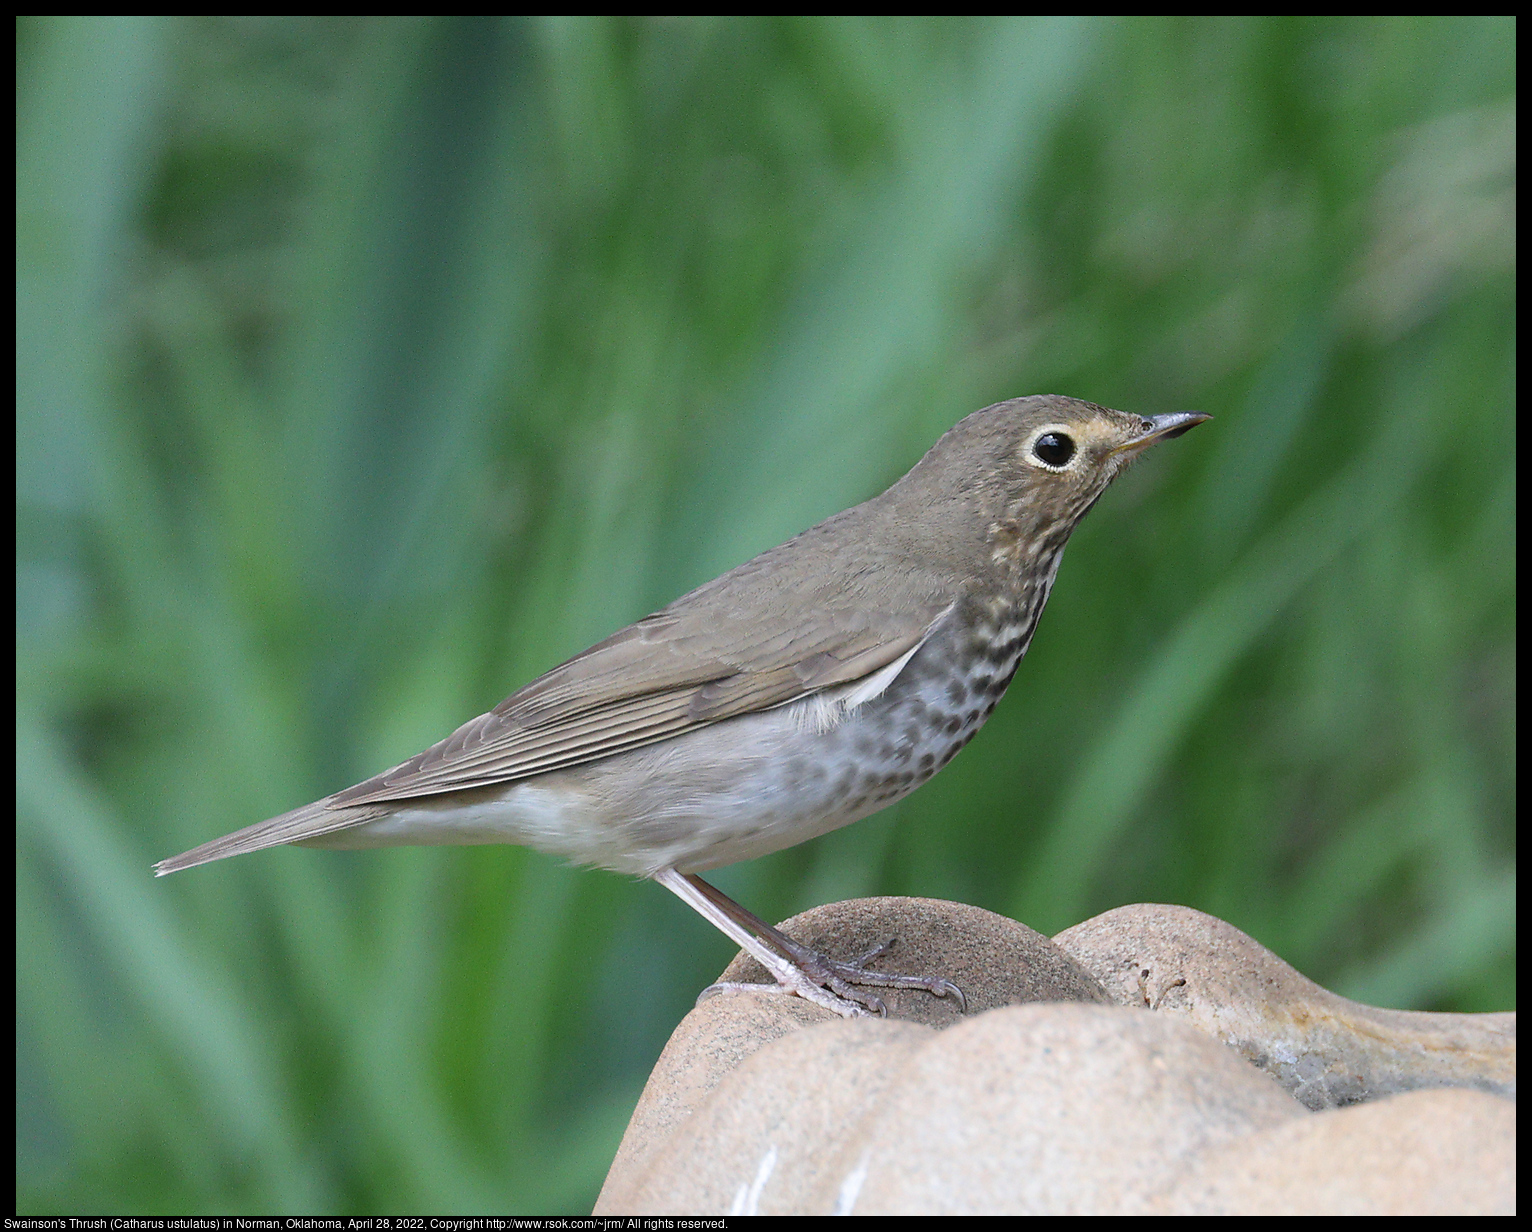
{"x": 1163, "y": 428}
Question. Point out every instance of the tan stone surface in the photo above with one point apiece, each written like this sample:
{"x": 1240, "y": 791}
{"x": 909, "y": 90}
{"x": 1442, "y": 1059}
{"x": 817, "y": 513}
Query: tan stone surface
{"x": 762, "y": 1137}
{"x": 763, "y": 1103}
{"x": 707, "y": 1046}
{"x": 1326, "y": 1050}
{"x": 1441, "y": 1152}
{"x": 1021, "y": 1110}
{"x": 1047, "y": 1110}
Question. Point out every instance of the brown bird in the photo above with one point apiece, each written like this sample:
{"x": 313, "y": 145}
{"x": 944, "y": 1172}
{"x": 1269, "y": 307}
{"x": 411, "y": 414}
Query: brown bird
{"x": 797, "y": 693}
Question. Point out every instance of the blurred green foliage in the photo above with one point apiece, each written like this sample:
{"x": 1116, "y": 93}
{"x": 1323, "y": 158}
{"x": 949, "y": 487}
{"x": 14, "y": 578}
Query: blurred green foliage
{"x": 368, "y": 367}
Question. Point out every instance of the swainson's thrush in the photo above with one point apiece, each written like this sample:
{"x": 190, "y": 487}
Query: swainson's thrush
{"x": 807, "y": 688}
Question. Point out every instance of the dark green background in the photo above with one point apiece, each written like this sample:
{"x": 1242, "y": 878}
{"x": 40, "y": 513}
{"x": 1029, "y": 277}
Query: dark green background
{"x": 369, "y": 367}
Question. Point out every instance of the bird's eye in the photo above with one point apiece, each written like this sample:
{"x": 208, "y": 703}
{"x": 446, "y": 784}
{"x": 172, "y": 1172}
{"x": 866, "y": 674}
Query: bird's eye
{"x": 1053, "y": 449}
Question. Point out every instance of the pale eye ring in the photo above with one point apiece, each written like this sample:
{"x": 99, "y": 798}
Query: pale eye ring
{"x": 1054, "y": 449}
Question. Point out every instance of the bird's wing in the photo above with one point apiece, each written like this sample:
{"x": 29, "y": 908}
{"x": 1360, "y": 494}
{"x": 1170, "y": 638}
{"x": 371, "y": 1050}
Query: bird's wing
{"x": 667, "y": 674}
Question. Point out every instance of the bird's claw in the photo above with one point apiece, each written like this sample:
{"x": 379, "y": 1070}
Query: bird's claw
{"x": 834, "y": 984}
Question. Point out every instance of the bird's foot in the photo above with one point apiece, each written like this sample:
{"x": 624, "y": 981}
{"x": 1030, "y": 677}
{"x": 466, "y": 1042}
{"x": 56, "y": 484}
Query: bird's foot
{"x": 797, "y": 968}
{"x": 806, "y": 989}
{"x": 834, "y": 984}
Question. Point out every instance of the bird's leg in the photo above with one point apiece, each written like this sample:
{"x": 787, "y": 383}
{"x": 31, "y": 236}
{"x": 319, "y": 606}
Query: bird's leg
{"x": 796, "y": 967}
{"x": 789, "y": 977}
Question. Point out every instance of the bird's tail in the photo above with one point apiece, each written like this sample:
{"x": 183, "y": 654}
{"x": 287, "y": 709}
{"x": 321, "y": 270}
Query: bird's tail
{"x": 311, "y": 821}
